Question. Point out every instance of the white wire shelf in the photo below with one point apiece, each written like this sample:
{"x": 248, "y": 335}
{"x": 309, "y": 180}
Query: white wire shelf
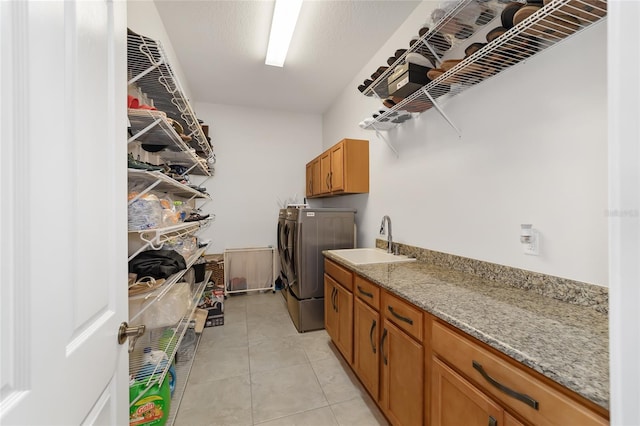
{"x": 156, "y": 295}
{"x": 458, "y": 25}
{"x": 552, "y": 23}
{"x": 155, "y": 238}
{"x": 183, "y": 371}
{"x": 168, "y": 341}
{"x": 160, "y": 182}
{"x": 153, "y": 128}
{"x": 149, "y": 69}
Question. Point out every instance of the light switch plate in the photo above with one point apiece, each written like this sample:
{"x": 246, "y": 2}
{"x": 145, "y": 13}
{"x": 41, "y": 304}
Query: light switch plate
{"x": 533, "y": 246}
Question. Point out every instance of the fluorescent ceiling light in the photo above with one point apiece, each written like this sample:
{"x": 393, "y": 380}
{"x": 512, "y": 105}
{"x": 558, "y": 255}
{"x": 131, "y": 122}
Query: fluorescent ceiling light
{"x": 285, "y": 16}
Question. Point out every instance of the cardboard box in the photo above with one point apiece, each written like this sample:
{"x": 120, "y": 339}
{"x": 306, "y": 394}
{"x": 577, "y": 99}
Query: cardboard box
{"x": 406, "y": 79}
{"x": 212, "y": 300}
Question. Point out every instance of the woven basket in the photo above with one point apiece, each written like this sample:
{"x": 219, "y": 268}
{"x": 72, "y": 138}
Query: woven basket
{"x": 215, "y": 263}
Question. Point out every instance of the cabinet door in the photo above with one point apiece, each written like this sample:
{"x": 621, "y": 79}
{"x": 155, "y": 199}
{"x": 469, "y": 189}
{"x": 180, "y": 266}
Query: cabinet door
{"x": 309, "y": 174}
{"x": 455, "y": 402}
{"x": 344, "y": 306}
{"x": 511, "y": 421}
{"x": 325, "y": 173}
{"x": 337, "y": 167}
{"x": 366, "y": 359}
{"x": 402, "y": 376}
{"x": 316, "y": 176}
{"x": 330, "y": 312}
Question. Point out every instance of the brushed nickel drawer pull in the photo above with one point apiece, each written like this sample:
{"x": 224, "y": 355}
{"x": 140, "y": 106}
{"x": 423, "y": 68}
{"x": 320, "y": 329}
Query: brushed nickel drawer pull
{"x": 519, "y": 396}
{"x": 400, "y": 317}
{"x": 335, "y": 298}
{"x": 333, "y": 302}
{"x": 373, "y": 344}
{"x": 364, "y": 293}
{"x": 384, "y": 336}
{"x": 493, "y": 421}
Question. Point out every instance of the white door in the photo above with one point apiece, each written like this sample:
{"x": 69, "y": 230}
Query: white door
{"x": 63, "y": 212}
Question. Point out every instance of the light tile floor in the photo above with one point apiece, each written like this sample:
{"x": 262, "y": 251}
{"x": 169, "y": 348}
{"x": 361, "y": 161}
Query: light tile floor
{"x": 257, "y": 369}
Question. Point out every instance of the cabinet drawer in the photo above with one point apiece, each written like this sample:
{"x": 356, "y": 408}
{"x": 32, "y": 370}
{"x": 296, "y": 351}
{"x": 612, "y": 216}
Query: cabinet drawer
{"x": 368, "y": 292}
{"x": 403, "y": 314}
{"x": 343, "y": 276}
{"x": 534, "y": 400}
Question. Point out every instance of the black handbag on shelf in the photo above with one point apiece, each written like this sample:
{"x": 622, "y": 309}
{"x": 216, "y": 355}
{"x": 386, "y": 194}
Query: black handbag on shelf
{"x": 157, "y": 263}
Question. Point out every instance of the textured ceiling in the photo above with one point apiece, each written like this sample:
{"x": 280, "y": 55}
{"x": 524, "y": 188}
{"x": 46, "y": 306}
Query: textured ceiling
{"x": 221, "y": 47}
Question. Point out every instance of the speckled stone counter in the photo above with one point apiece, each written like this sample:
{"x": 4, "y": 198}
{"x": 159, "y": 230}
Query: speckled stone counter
{"x": 565, "y": 342}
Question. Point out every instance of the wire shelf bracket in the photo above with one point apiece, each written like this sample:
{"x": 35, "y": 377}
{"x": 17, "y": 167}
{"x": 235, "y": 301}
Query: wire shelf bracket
{"x": 440, "y": 110}
{"x": 386, "y": 140}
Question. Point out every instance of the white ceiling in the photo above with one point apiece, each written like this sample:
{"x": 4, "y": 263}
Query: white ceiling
{"x": 221, "y": 47}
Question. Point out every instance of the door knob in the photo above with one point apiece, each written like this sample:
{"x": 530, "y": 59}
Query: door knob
{"x": 133, "y": 333}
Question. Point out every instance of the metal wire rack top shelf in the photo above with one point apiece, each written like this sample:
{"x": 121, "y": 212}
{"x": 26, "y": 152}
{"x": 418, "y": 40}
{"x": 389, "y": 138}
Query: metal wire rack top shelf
{"x": 153, "y": 128}
{"x": 453, "y": 26}
{"x": 149, "y": 69}
{"x": 539, "y": 27}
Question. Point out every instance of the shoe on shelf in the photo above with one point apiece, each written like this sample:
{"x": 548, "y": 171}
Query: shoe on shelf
{"x": 195, "y": 217}
{"x": 132, "y": 163}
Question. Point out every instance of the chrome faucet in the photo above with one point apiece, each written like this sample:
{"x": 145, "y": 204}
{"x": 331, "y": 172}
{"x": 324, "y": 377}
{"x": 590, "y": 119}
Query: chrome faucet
{"x": 389, "y": 237}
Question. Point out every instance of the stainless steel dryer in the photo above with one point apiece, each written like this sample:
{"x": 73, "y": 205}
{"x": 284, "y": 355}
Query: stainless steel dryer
{"x": 308, "y": 232}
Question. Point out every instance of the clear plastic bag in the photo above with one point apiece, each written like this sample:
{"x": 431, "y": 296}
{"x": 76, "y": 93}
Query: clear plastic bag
{"x": 185, "y": 246}
{"x": 169, "y": 216}
{"x": 145, "y": 212}
{"x": 165, "y": 312}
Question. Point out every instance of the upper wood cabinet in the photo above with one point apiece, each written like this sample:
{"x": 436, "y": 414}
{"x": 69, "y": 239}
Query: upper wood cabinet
{"x": 313, "y": 178}
{"x": 342, "y": 169}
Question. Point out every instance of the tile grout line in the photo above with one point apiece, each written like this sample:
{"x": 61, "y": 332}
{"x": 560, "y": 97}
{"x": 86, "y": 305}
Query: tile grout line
{"x": 246, "y": 321}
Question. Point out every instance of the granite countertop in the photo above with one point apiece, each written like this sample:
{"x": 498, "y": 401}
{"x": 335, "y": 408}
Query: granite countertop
{"x": 567, "y": 343}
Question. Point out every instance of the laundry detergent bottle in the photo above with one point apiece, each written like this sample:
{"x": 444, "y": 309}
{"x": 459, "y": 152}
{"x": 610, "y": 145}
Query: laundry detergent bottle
{"x": 153, "y": 405}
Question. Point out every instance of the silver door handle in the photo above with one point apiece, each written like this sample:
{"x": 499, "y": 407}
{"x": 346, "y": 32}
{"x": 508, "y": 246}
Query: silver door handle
{"x": 125, "y": 332}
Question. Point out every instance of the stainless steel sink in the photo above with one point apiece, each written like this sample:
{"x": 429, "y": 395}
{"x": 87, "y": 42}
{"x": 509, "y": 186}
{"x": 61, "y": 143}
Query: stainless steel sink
{"x": 366, "y": 256}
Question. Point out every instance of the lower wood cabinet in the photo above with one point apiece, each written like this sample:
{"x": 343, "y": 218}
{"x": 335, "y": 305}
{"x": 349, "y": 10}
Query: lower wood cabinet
{"x": 330, "y": 313}
{"x": 422, "y": 371}
{"x": 366, "y": 337}
{"x": 338, "y": 316}
{"x": 488, "y": 379}
{"x": 455, "y": 401}
{"x": 402, "y": 384}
